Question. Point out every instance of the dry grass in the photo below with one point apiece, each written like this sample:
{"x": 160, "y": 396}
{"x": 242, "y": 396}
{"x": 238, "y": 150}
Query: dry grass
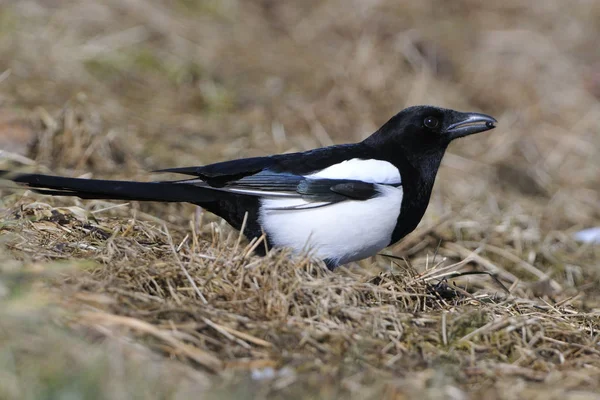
{"x": 107, "y": 300}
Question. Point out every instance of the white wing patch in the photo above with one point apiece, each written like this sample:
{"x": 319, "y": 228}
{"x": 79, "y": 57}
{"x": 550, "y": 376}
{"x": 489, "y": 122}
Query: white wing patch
{"x": 371, "y": 171}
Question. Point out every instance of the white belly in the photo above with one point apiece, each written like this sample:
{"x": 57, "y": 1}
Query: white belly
{"x": 343, "y": 232}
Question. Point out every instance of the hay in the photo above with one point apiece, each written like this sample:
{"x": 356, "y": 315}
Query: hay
{"x": 489, "y": 296}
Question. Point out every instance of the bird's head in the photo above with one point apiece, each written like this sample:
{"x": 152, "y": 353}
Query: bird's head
{"x": 422, "y": 133}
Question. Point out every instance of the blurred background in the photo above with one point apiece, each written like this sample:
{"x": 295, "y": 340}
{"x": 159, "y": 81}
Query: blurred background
{"x": 116, "y": 88}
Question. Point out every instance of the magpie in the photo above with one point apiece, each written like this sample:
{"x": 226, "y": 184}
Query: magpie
{"x": 342, "y": 203}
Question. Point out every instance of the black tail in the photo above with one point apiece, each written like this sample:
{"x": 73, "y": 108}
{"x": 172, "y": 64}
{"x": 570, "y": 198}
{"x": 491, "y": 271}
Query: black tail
{"x": 112, "y": 190}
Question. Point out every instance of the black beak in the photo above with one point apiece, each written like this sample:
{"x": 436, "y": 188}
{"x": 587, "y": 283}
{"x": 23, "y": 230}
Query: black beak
{"x": 465, "y": 124}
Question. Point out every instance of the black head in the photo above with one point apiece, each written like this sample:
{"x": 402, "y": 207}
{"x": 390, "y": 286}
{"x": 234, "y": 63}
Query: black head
{"x": 415, "y": 140}
{"x": 423, "y": 132}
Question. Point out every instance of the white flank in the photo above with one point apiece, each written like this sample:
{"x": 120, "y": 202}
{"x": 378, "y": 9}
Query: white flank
{"x": 372, "y": 171}
{"x": 342, "y": 232}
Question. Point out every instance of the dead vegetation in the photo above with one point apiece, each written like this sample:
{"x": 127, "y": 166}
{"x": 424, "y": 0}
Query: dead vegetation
{"x": 490, "y": 296}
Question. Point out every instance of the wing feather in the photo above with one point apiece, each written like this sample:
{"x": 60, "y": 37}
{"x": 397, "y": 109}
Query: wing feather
{"x": 354, "y": 179}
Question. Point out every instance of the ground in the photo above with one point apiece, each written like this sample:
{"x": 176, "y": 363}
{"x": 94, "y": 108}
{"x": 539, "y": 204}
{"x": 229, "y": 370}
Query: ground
{"x": 109, "y": 300}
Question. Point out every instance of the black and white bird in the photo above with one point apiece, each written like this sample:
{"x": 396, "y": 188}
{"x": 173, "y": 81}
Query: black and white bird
{"x": 342, "y": 203}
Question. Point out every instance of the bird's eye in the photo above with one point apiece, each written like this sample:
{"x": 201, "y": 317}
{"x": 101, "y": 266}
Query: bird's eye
{"x": 431, "y": 122}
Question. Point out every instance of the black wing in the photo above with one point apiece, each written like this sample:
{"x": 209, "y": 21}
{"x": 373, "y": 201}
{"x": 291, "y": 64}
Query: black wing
{"x": 283, "y": 176}
{"x": 356, "y": 190}
{"x": 301, "y": 163}
{"x": 317, "y": 192}
{"x": 220, "y": 173}
{"x": 324, "y": 192}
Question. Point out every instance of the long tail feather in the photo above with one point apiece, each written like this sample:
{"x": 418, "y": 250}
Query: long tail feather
{"x": 111, "y": 190}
